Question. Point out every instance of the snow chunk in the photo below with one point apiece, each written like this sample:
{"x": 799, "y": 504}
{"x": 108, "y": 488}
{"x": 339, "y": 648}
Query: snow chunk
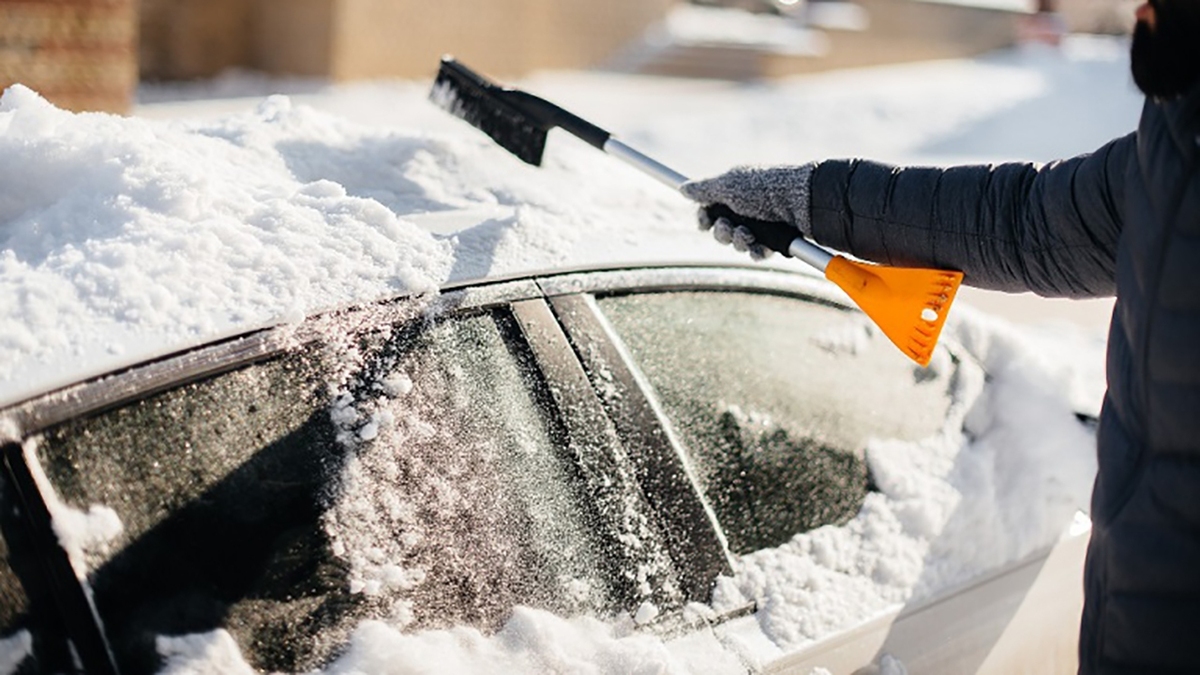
{"x": 214, "y": 653}
{"x": 646, "y": 613}
{"x": 14, "y": 649}
{"x": 86, "y": 531}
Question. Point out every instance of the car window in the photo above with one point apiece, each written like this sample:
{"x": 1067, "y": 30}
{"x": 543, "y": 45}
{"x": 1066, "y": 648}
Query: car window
{"x": 411, "y": 475}
{"x": 775, "y": 399}
{"x": 199, "y": 508}
{"x": 459, "y": 458}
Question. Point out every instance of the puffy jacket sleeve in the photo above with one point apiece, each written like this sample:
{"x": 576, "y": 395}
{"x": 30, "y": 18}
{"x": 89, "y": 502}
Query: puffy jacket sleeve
{"x": 1051, "y": 229}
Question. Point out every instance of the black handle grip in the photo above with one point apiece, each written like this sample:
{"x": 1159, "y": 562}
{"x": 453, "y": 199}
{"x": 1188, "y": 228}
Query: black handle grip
{"x": 773, "y": 234}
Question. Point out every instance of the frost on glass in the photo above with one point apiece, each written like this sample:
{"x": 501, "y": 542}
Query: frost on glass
{"x": 217, "y": 487}
{"x": 459, "y": 500}
{"x": 406, "y": 473}
{"x": 775, "y": 400}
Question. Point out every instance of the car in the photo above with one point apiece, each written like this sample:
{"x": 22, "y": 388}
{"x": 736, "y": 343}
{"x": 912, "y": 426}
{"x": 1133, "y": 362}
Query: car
{"x": 601, "y": 442}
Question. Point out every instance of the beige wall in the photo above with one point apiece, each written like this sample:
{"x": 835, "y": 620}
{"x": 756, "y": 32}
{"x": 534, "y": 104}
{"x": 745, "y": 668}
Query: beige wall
{"x": 905, "y": 30}
{"x": 1099, "y": 16}
{"x": 191, "y": 38}
{"x": 378, "y": 38}
{"x": 350, "y": 39}
{"x": 293, "y": 37}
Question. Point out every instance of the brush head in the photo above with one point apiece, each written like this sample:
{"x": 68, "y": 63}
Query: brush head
{"x": 495, "y": 111}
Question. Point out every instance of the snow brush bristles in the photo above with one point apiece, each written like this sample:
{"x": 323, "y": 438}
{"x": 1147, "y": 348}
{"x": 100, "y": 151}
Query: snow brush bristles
{"x": 909, "y": 305}
{"x": 517, "y": 121}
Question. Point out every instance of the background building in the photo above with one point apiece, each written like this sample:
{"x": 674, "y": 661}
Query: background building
{"x": 89, "y": 54}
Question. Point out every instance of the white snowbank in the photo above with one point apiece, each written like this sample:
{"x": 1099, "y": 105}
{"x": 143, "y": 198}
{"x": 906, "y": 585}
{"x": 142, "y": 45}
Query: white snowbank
{"x": 1005, "y": 479}
{"x": 119, "y": 236}
{"x": 531, "y": 642}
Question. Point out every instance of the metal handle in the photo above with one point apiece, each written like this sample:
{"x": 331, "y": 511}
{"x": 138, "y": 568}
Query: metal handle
{"x": 660, "y": 172}
{"x": 810, "y": 253}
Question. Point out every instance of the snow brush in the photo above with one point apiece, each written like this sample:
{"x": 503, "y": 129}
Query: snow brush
{"x": 908, "y": 304}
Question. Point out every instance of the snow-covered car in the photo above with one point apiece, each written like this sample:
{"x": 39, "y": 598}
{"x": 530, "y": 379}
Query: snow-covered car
{"x": 655, "y": 469}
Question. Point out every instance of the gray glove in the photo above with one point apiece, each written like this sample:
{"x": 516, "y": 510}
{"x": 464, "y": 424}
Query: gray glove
{"x": 758, "y": 202}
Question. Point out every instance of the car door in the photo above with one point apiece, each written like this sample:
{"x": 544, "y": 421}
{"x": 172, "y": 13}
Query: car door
{"x": 770, "y": 389}
{"x": 767, "y": 386}
{"x": 401, "y": 462}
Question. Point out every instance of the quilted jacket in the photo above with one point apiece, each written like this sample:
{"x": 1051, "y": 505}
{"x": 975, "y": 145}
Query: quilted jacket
{"x": 1122, "y": 220}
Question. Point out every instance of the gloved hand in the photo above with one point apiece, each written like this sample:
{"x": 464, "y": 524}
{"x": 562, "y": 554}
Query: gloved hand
{"x": 757, "y": 209}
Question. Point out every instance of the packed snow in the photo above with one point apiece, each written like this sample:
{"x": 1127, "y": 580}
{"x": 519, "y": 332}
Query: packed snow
{"x": 125, "y": 238}
{"x": 1006, "y": 477}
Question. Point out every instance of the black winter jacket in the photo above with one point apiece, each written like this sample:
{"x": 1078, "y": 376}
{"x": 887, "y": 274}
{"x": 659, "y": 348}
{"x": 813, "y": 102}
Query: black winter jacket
{"x": 1125, "y": 220}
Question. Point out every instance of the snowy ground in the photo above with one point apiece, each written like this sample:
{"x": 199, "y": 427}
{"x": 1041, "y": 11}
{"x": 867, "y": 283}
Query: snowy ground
{"x": 213, "y": 210}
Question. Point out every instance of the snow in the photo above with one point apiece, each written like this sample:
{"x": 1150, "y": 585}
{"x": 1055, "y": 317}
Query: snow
{"x": 695, "y": 24}
{"x": 531, "y": 642}
{"x": 1005, "y": 478}
{"x": 125, "y": 238}
{"x": 13, "y": 650}
{"x": 122, "y": 235}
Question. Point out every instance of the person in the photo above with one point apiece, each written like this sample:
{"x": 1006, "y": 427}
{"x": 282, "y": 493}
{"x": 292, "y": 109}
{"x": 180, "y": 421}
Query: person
{"x": 1122, "y": 220}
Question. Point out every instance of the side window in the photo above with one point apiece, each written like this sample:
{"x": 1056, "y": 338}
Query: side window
{"x": 775, "y": 399}
{"x": 413, "y": 476}
{"x": 459, "y": 499}
{"x": 200, "y": 508}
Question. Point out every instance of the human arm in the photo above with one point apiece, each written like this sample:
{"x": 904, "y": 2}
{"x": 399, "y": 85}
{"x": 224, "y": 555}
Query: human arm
{"x": 1051, "y": 229}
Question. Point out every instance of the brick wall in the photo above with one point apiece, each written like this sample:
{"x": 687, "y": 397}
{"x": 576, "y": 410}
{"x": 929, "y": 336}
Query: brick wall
{"x": 79, "y": 54}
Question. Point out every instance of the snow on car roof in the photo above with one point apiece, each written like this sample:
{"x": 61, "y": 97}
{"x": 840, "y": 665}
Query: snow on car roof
{"x": 124, "y": 237}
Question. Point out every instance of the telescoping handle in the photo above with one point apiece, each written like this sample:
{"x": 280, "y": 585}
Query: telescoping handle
{"x": 799, "y": 247}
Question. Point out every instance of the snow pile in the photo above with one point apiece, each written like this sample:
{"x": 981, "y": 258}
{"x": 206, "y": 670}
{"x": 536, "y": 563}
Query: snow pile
{"x": 694, "y": 24}
{"x": 121, "y": 238}
{"x": 1006, "y": 478}
{"x": 531, "y": 642}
